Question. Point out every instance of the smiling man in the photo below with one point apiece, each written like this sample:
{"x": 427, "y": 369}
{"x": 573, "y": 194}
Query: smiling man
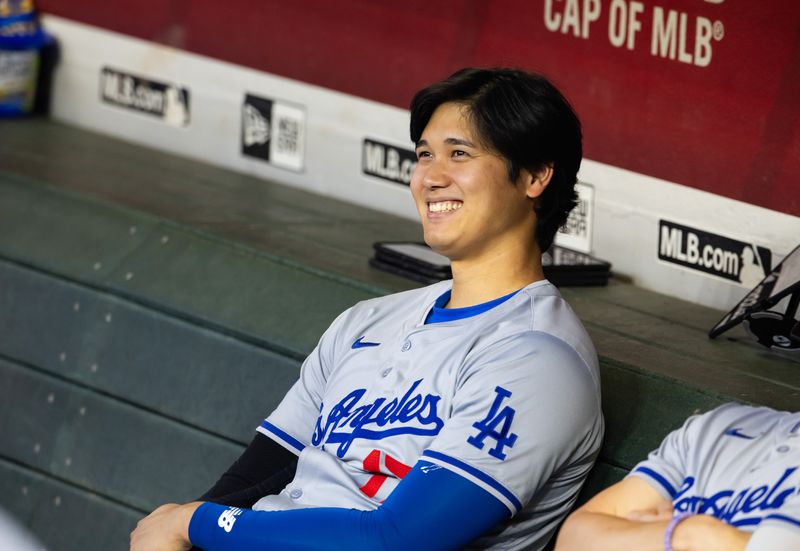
{"x": 464, "y": 414}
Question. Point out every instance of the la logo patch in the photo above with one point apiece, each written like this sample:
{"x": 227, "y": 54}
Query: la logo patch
{"x": 488, "y": 427}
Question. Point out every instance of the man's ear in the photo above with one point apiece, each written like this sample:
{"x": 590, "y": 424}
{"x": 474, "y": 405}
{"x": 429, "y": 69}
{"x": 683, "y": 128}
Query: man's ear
{"x": 536, "y": 183}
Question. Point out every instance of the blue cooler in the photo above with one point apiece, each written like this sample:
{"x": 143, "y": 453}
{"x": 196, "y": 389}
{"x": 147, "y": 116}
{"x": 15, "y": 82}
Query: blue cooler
{"x": 21, "y": 43}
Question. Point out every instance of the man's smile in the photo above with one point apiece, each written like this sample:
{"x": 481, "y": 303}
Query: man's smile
{"x": 444, "y": 206}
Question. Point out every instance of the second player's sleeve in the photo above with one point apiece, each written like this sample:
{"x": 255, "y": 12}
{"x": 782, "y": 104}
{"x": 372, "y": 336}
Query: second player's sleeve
{"x": 292, "y": 422}
{"x": 665, "y": 468}
{"x": 523, "y": 408}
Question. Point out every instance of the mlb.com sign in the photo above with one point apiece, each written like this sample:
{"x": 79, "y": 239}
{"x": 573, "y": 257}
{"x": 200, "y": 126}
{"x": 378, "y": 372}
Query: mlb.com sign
{"x": 388, "y": 162}
{"x": 163, "y": 100}
{"x": 713, "y": 254}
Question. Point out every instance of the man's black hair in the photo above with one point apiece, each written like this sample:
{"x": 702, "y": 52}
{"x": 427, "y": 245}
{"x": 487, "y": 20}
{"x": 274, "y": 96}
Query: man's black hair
{"x": 524, "y": 118}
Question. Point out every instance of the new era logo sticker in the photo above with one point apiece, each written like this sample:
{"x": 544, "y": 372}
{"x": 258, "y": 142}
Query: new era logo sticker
{"x": 576, "y": 233}
{"x": 274, "y": 132}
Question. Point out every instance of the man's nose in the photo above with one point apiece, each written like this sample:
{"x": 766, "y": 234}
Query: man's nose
{"x": 436, "y": 175}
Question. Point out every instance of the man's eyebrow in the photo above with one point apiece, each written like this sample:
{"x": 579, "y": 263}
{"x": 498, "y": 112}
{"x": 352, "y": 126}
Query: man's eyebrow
{"x": 459, "y": 141}
{"x": 449, "y": 141}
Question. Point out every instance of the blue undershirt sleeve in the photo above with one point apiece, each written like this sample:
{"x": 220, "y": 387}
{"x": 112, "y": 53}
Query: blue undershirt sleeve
{"x": 432, "y": 508}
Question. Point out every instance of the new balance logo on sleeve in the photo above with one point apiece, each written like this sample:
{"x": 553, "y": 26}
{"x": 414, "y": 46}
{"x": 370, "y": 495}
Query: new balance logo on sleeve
{"x": 228, "y": 518}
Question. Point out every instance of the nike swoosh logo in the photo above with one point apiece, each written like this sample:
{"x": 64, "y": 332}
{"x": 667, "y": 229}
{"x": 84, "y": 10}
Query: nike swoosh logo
{"x": 361, "y": 343}
{"x": 735, "y": 432}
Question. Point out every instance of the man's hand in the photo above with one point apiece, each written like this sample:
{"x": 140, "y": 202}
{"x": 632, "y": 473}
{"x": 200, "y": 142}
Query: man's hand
{"x": 697, "y": 533}
{"x": 632, "y": 515}
{"x": 165, "y": 529}
{"x": 706, "y": 533}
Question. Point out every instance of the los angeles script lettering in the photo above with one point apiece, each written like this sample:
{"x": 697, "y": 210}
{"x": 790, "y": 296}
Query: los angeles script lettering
{"x": 725, "y": 505}
{"x": 348, "y": 421}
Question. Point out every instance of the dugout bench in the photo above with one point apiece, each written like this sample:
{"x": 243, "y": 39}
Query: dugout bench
{"x": 153, "y": 309}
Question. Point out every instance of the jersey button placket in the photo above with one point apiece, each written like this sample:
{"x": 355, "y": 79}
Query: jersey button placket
{"x": 406, "y": 346}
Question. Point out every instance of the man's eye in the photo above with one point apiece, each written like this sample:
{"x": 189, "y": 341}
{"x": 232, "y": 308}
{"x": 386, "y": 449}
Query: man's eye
{"x": 422, "y": 154}
{"x": 459, "y": 153}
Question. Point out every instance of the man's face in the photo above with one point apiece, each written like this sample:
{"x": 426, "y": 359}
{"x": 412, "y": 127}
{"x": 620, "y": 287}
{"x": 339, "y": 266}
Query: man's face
{"x": 468, "y": 207}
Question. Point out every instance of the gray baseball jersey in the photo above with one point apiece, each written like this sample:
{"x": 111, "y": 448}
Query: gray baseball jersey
{"x": 738, "y": 463}
{"x": 508, "y": 399}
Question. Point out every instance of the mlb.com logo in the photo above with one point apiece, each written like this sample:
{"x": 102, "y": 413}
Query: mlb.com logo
{"x": 163, "y": 100}
{"x": 388, "y": 162}
{"x": 712, "y": 254}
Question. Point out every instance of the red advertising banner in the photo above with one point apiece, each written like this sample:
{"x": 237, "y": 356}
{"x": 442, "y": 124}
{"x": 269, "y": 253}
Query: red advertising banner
{"x": 704, "y": 93}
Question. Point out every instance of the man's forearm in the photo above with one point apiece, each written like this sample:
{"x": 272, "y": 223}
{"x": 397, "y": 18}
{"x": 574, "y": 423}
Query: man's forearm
{"x": 587, "y": 531}
{"x": 600, "y": 532}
